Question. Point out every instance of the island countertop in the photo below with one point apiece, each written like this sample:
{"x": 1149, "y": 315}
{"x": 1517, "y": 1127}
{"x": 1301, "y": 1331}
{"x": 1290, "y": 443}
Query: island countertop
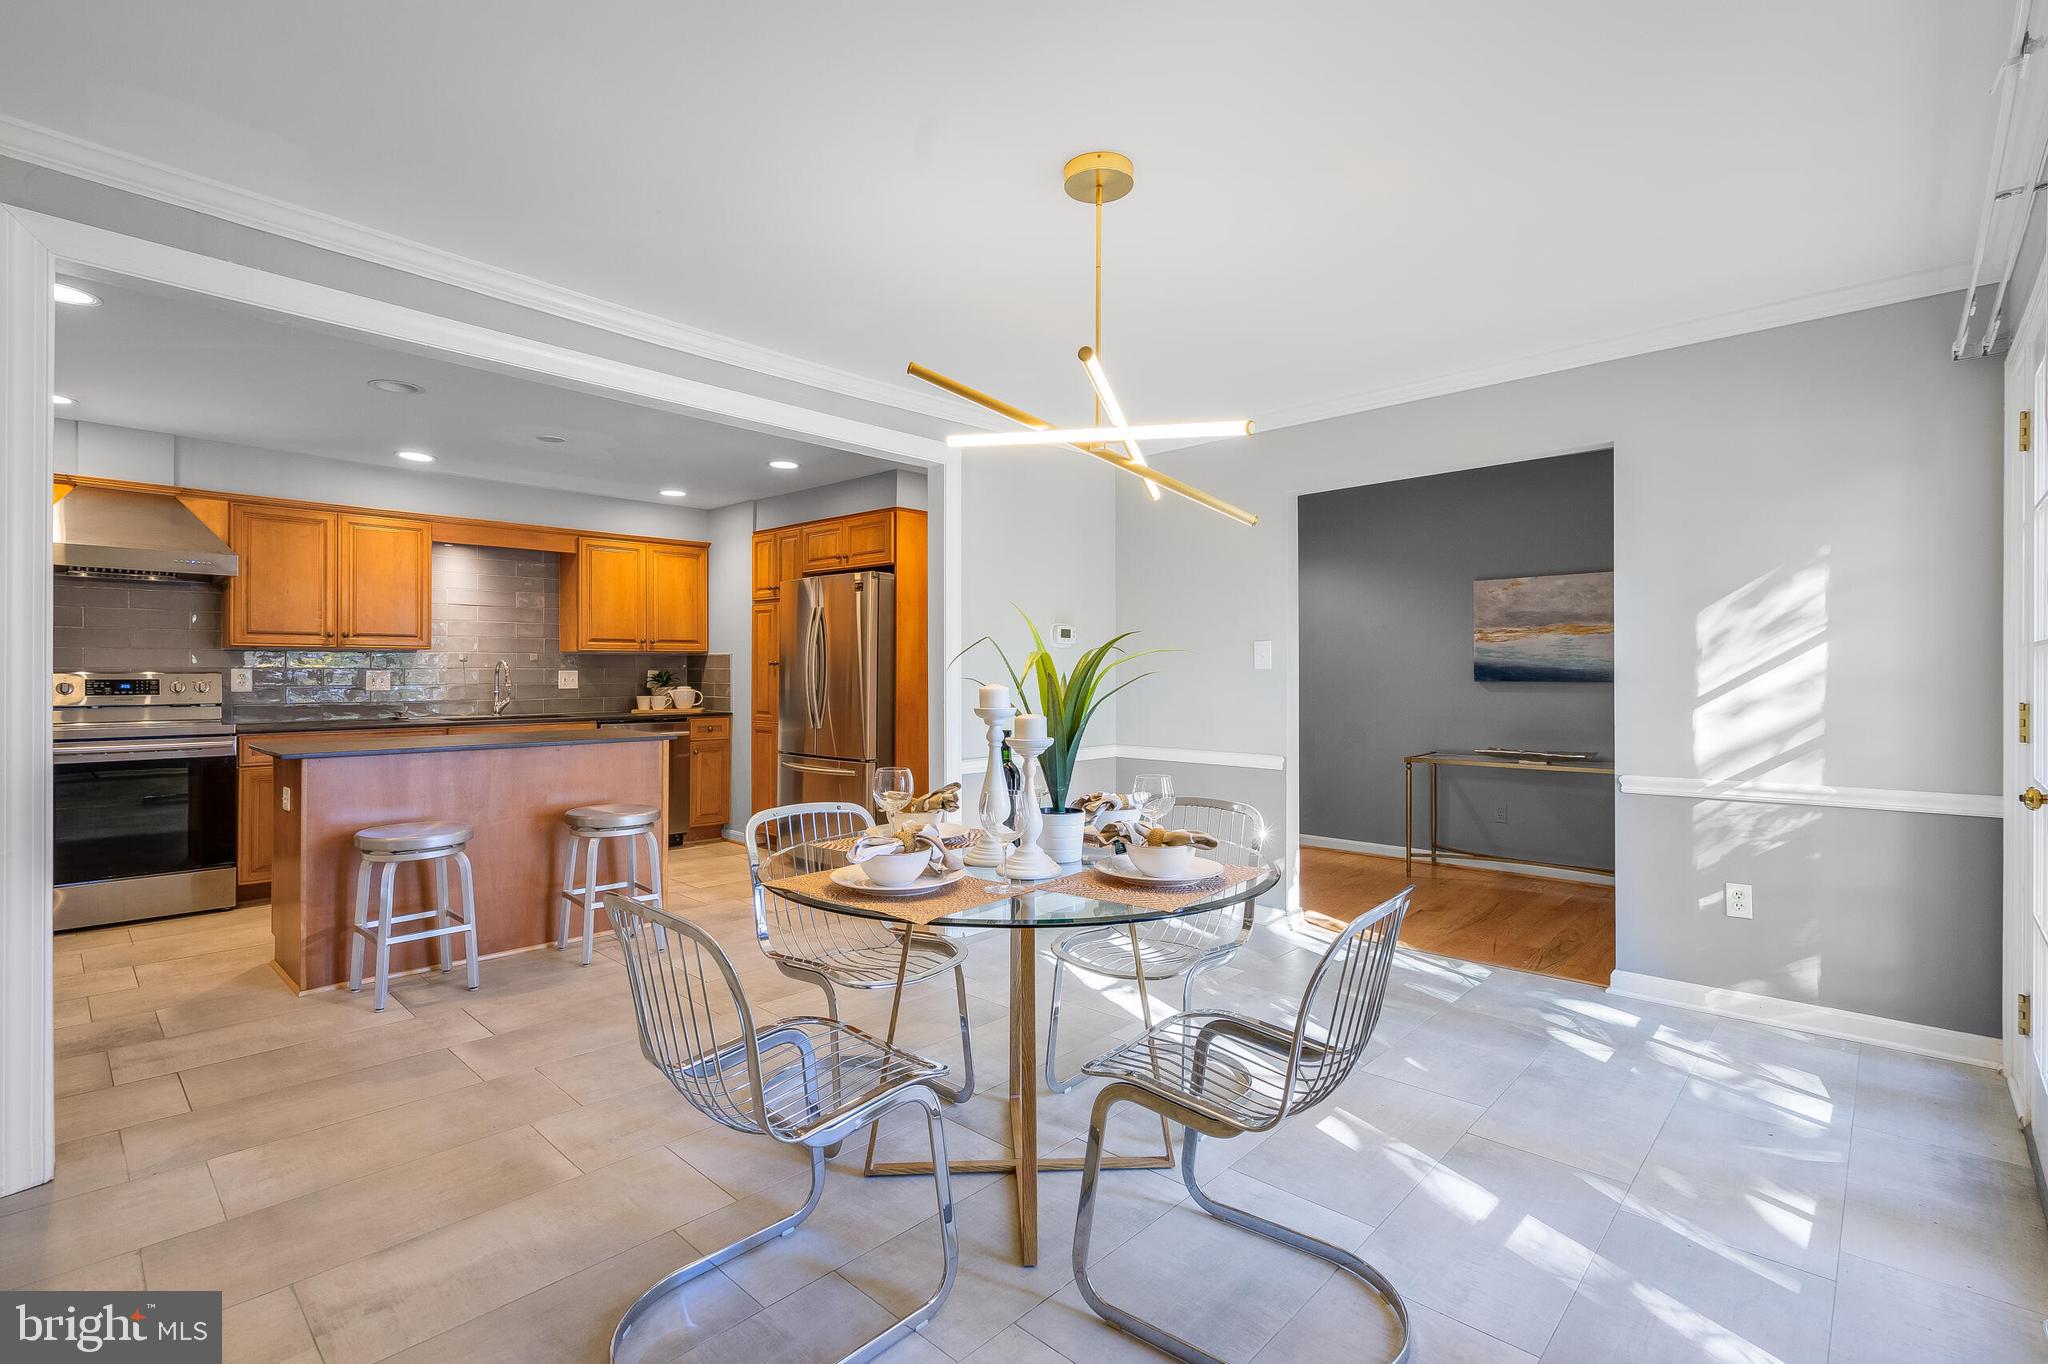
{"x": 286, "y": 748}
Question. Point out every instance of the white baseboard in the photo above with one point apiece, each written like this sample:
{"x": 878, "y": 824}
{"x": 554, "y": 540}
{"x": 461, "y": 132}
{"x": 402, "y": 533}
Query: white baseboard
{"x": 1785, "y": 1013}
{"x": 1591, "y": 878}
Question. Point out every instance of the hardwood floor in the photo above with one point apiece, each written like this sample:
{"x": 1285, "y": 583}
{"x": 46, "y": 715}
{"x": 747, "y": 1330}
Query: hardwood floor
{"x": 1530, "y": 923}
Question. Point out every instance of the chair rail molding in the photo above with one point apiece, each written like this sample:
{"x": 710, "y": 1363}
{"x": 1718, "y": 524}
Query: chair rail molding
{"x": 1202, "y": 757}
{"x": 1963, "y": 803}
{"x": 28, "y": 1148}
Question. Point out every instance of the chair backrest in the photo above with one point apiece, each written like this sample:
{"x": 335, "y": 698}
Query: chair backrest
{"x": 1240, "y": 833}
{"x": 695, "y": 1026}
{"x": 1342, "y": 1004}
{"x": 782, "y": 924}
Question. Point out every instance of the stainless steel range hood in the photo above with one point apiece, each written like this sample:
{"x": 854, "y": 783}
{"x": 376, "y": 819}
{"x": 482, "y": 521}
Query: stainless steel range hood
{"x": 108, "y": 532}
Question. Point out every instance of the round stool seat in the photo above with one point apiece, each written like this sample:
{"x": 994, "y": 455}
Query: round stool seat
{"x": 423, "y": 835}
{"x": 608, "y": 818}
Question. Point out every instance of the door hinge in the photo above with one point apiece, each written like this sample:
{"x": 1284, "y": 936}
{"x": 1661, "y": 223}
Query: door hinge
{"x": 2026, "y": 431}
{"x": 2026, "y": 723}
{"x": 2026, "y": 1015}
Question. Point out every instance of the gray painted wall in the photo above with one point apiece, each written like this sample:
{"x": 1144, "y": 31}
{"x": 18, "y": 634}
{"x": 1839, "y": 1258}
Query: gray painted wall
{"x": 890, "y": 488}
{"x": 1807, "y": 590}
{"x": 1386, "y": 657}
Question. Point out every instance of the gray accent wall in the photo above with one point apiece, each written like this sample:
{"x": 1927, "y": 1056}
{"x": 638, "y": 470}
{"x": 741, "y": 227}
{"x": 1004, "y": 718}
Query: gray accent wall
{"x": 1386, "y": 658}
{"x": 1807, "y": 590}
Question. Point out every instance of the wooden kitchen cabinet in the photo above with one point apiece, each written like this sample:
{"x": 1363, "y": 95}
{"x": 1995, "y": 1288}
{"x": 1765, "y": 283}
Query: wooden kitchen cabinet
{"x": 824, "y": 546}
{"x": 255, "y": 824}
{"x": 869, "y": 539}
{"x": 765, "y": 751}
{"x": 386, "y": 582}
{"x": 283, "y": 592}
{"x": 313, "y": 579}
{"x": 767, "y": 658}
{"x": 765, "y": 580}
{"x": 678, "y": 612}
{"x": 789, "y": 554}
{"x": 635, "y": 596}
{"x": 710, "y": 778}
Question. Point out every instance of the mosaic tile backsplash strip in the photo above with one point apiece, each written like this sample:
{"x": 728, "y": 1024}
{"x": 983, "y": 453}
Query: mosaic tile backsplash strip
{"x": 488, "y": 604}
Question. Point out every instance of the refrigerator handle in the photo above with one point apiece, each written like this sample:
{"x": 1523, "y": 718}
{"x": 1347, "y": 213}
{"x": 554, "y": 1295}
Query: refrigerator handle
{"x": 820, "y": 673}
{"x": 860, "y": 668}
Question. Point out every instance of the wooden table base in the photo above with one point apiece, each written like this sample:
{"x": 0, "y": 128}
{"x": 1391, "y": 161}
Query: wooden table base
{"x": 1024, "y": 1163}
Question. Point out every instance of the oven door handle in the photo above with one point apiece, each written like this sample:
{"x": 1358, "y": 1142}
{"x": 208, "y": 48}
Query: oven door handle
{"x": 141, "y": 750}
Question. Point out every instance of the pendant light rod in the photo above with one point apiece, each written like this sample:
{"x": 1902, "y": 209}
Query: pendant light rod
{"x": 1103, "y": 453}
{"x": 1105, "y": 400}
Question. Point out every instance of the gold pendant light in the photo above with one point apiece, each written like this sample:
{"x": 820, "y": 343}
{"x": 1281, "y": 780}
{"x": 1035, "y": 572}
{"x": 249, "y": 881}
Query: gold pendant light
{"x": 1097, "y": 178}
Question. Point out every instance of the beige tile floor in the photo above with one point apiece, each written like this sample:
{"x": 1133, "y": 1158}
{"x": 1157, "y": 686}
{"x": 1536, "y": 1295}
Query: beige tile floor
{"x": 1546, "y": 1171}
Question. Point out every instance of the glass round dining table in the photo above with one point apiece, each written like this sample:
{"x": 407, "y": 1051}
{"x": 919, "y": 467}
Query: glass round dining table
{"x": 1081, "y": 897}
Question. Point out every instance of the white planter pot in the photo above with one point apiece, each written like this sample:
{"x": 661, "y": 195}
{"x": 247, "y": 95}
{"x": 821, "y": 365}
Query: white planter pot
{"x": 1061, "y": 836}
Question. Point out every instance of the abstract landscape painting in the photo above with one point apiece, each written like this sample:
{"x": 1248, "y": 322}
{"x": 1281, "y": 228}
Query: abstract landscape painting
{"x": 1558, "y": 628}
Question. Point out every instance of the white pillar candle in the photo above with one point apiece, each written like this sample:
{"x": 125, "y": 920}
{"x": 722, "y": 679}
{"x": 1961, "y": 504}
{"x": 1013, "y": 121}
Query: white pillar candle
{"x": 995, "y": 697}
{"x": 1029, "y": 727}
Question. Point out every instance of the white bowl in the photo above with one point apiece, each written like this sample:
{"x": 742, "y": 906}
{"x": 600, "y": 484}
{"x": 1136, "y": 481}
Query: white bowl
{"x": 896, "y": 869}
{"x": 1162, "y": 861}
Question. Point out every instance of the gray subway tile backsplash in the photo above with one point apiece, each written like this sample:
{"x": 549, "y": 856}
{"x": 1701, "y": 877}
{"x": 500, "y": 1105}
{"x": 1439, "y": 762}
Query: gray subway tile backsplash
{"x": 488, "y": 604}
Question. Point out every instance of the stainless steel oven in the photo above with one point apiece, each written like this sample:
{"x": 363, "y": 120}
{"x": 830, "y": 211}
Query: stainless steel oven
{"x": 143, "y": 784}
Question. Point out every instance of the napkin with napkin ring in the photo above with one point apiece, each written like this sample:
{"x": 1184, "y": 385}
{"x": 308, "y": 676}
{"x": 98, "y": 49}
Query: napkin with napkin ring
{"x": 881, "y": 843}
{"x": 946, "y": 798}
{"x": 1138, "y": 828}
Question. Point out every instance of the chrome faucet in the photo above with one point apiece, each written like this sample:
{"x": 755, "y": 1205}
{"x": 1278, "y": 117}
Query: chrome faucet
{"x": 501, "y": 687}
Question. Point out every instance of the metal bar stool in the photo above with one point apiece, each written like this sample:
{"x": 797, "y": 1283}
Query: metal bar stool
{"x": 1226, "y": 1074}
{"x": 387, "y": 845}
{"x": 697, "y": 1029}
{"x": 591, "y": 827}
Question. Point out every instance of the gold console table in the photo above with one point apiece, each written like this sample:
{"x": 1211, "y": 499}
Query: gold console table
{"x": 1507, "y": 762}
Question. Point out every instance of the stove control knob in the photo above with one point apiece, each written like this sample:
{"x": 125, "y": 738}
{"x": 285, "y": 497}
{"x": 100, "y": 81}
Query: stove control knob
{"x": 66, "y": 688}
{"x": 177, "y": 686}
{"x": 204, "y": 687}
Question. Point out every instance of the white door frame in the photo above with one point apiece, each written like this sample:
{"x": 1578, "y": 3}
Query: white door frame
{"x": 2022, "y": 960}
{"x": 34, "y": 247}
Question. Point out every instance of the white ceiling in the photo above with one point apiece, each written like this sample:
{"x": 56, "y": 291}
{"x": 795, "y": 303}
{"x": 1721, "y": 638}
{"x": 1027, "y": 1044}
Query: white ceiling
{"x": 161, "y": 360}
{"x": 1336, "y": 199}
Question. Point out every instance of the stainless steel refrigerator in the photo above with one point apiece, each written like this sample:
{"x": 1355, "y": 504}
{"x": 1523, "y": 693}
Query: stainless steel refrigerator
{"x": 838, "y": 704}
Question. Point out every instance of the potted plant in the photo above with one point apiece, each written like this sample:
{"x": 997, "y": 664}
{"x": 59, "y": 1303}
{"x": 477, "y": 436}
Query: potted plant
{"x": 1068, "y": 703}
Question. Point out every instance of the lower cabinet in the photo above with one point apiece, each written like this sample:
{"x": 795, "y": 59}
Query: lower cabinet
{"x": 256, "y": 822}
{"x": 710, "y": 775}
{"x": 764, "y": 764}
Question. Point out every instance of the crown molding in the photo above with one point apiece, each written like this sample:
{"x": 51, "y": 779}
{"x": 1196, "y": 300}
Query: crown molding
{"x": 120, "y": 170}
{"x": 1810, "y": 308}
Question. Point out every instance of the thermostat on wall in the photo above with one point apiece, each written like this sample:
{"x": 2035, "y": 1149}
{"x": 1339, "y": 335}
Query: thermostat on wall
{"x": 1062, "y": 636}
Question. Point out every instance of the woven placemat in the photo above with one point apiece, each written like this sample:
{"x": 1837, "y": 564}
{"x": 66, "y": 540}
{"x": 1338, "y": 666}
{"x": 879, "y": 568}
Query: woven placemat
{"x": 1096, "y": 886}
{"x": 964, "y": 894}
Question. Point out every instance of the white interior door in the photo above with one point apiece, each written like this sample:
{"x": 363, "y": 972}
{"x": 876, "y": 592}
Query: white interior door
{"x": 2027, "y": 916}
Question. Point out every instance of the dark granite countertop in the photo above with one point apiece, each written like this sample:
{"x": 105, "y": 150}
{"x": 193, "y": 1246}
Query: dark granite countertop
{"x": 391, "y": 742}
{"x": 245, "y": 726}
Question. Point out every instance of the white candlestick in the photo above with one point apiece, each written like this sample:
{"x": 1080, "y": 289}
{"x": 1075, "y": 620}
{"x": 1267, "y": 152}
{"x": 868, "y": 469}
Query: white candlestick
{"x": 994, "y": 697}
{"x": 1029, "y": 727}
{"x": 1029, "y": 862}
{"x": 996, "y": 835}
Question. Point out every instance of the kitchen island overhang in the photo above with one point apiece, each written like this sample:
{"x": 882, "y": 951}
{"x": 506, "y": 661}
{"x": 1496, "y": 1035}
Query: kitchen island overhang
{"x": 512, "y": 789}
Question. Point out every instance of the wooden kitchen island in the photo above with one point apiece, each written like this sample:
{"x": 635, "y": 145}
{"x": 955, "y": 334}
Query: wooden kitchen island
{"x": 510, "y": 787}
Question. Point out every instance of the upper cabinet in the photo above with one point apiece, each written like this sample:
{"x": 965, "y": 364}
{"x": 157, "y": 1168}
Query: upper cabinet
{"x": 635, "y": 596}
{"x": 314, "y": 579}
{"x": 870, "y": 539}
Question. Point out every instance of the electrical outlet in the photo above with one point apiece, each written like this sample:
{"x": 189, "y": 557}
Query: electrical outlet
{"x": 284, "y": 797}
{"x": 241, "y": 679}
{"x": 1739, "y": 901}
{"x": 1500, "y": 813}
{"x": 1262, "y": 653}
{"x": 377, "y": 679}
{"x": 565, "y": 679}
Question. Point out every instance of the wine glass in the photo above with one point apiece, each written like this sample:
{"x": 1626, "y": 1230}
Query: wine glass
{"x": 893, "y": 790}
{"x": 1156, "y": 789}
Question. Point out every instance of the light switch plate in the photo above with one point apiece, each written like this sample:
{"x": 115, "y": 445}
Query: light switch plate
{"x": 377, "y": 679}
{"x": 1740, "y": 900}
{"x": 1262, "y": 653}
{"x": 241, "y": 679}
{"x": 284, "y": 797}
{"x": 565, "y": 679}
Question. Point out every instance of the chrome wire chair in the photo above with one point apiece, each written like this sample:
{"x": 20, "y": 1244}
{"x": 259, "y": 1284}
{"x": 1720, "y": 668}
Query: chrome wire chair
{"x": 802, "y": 1081}
{"x": 1183, "y": 947}
{"x": 1226, "y": 1074}
{"x": 838, "y": 949}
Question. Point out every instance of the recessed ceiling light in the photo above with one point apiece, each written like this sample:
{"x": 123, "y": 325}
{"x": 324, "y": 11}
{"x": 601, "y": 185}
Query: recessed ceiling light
{"x": 416, "y": 456}
{"x": 394, "y": 386}
{"x": 782, "y": 464}
{"x": 551, "y": 440}
{"x": 75, "y": 296}
{"x": 673, "y": 492}
{"x": 60, "y": 400}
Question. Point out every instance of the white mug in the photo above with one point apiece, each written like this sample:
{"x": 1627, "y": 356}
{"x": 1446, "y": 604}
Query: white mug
{"x": 686, "y": 698}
